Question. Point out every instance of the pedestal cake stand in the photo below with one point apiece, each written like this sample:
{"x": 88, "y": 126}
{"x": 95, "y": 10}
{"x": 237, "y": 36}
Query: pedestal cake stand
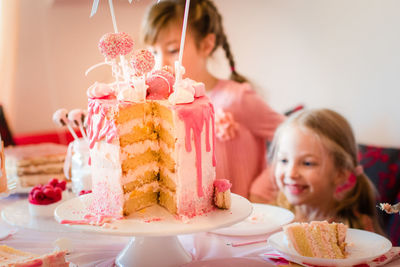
{"x": 153, "y": 230}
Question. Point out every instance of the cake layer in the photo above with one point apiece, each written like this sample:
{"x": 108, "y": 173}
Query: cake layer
{"x": 140, "y": 198}
{"x": 35, "y": 179}
{"x": 41, "y": 169}
{"x": 142, "y": 179}
{"x": 168, "y": 200}
{"x": 318, "y": 239}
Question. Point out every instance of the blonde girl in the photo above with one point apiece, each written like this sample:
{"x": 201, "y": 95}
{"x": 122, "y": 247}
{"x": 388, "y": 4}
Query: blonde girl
{"x": 314, "y": 159}
{"x": 244, "y": 122}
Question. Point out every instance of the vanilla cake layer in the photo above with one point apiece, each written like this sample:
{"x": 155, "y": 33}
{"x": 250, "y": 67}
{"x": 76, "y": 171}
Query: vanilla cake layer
{"x": 318, "y": 239}
{"x": 165, "y": 144}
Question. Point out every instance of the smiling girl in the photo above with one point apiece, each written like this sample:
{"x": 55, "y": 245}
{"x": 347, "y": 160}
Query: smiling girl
{"x": 244, "y": 122}
{"x": 314, "y": 159}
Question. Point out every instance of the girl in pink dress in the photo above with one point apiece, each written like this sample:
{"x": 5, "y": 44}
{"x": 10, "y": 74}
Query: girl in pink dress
{"x": 244, "y": 122}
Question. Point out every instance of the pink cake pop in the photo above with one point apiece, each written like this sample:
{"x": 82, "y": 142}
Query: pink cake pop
{"x": 143, "y": 61}
{"x": 61, "y": 119}
{"x": 112, "y": 45}
{"x": 160, "y": 85}
{"x": 77, "y": 118}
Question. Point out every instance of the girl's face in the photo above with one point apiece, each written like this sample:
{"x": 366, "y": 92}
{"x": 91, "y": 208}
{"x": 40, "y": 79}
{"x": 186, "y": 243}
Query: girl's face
{"x": 166, "y": 51}
{"x": 304, "y": 169}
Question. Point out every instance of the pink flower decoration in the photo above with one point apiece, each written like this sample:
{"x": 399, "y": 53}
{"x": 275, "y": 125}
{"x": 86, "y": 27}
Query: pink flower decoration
{"x": 225, "y": 125}
{"x": 143, "y": 61}
{"x": 112, "y": 45}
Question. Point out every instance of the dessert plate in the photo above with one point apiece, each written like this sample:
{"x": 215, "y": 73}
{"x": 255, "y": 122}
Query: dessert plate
{"x": 263, "y": 220}
{"x": 363, "y": 246}
{"x": 17, "y": 214}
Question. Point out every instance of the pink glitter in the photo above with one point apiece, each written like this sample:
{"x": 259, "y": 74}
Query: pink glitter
{"x": 143, "y": 61}
{"x": 112, "y": 45}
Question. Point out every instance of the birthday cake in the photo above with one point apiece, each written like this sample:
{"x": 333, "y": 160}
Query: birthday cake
{"x": 318, "y": 239}
{"x": 151, "y": 137}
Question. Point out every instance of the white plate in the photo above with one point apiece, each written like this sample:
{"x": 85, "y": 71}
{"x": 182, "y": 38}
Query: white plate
{"x": 17, "y": 214}
{"x": 154, "y": 220}
{"x": 363, "y": 246}
{"x": 263, "y": 220}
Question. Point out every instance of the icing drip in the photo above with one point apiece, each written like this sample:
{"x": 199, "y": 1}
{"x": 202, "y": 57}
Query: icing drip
{"x": 101, "y": 129}
{"x": 194, "y": 118}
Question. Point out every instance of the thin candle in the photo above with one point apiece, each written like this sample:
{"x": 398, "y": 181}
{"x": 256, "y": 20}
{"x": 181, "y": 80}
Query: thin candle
{"x": 113, "y": 16}
{"x": 182, "y": 46}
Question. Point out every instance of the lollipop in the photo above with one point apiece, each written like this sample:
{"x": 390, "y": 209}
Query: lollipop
{"x": 77, "y": 118}
{"x": 112, "y": 45}
{"x": 60, "y": 118}
{"x": 143, "y": 61}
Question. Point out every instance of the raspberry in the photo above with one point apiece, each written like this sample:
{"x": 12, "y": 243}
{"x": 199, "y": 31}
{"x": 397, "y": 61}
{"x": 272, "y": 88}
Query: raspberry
{"x": 62, "y": 185}
{"x": 53, "y": 182}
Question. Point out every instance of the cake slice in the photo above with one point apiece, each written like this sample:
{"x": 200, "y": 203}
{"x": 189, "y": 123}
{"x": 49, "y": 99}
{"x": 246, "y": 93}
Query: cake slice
{"x": 318, "y": 239}
{"x": 35, "y": 164}
{"x": 17, "y": 258}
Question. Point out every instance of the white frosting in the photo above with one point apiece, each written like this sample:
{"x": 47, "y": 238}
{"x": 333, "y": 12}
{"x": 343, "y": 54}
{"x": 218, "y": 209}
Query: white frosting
{"x": 185, "y": 91}
{"x": 154, "y": 186}
{"x": 138, "y": 148}
{"x": 126, "y": 93}
{"x": 135, "y": 94}
{"x": 133, "y": 175}
{"x": 99, "y": 90}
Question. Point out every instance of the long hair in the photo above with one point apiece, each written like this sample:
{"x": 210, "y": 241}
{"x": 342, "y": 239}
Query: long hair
{"x": 337, "y": 136}
{"x": 203, "y": 19}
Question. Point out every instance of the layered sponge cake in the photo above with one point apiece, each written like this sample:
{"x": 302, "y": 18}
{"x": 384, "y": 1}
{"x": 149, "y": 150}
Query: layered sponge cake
{"x": 151, "y": 136}
{"x": 318, "y": 239}
{"x": 152, "y": 152}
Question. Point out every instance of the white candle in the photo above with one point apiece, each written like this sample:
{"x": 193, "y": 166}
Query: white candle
{"x": 182, "y": 46}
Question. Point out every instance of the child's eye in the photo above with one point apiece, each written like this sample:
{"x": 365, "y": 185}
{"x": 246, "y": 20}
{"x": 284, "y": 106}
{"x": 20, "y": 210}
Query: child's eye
{"x": 309, "y": 163}
{"x": 284, "y": 161}
{"x": 173, "y": 51}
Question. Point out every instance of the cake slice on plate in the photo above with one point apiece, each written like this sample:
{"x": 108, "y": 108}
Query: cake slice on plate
{"x": 318, "y": 239}
{"x": 13, "y": 257}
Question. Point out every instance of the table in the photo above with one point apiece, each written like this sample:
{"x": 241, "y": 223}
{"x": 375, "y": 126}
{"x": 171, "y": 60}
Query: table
{"x": 207, "y": 249}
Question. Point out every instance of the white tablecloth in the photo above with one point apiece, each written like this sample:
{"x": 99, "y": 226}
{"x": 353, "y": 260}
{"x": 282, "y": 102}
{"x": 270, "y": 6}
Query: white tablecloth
{"x": 207, "y": 249}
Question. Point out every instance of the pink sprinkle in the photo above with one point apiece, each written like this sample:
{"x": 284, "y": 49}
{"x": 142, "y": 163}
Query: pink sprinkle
{"x": 112, "y": 45}
{"x": 222, "y": 185}
{"x": 143, "y": 61}
{"x": 152, "y": 220}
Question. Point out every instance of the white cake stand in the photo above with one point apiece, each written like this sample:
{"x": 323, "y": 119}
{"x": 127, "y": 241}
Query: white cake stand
{"x": 154, "y": 230}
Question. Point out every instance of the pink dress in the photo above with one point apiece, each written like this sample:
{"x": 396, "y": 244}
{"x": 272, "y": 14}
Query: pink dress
{"x": 244, "y": 123}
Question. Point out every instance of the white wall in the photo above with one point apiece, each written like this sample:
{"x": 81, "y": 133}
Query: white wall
{"x": 341, "y": 54}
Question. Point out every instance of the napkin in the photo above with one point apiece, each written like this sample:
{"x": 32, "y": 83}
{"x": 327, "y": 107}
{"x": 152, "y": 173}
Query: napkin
{"x": 275, "y": 257}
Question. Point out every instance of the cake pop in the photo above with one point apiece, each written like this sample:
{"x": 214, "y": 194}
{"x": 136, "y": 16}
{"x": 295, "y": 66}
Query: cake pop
{"x": 61, "y": 119}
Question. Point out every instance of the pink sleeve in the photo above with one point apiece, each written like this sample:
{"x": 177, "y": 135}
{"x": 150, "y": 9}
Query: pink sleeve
{"x": 258, "y": 116}
{"x": 264, "y": 186}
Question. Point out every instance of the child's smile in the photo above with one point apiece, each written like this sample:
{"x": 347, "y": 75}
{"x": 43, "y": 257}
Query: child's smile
{"x": 304, "y": 170}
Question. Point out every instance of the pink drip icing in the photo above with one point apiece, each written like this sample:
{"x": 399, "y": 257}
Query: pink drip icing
{"x": 194, "y": 116}
{"x": 103, "y": 128}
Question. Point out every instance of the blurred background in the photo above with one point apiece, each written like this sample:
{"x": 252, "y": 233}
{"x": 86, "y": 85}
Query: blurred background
{"x": 338, "y": 54}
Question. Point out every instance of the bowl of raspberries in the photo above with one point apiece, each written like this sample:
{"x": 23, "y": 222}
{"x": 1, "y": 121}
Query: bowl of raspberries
{"x": 43, "y": 199}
